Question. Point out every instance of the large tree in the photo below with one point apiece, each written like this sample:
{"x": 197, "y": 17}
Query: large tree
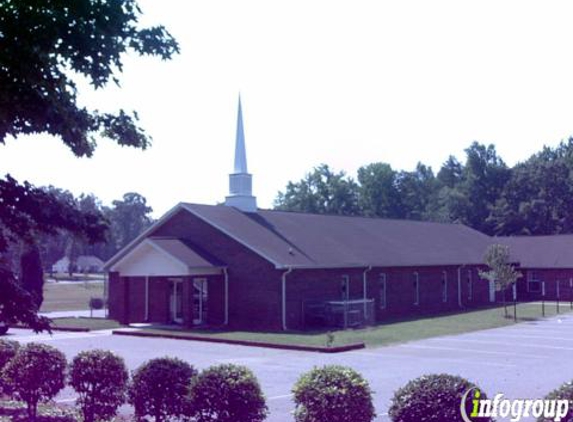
{"x": 43, "y": 46}
{"x": 538, "y": 198}
{"x": 321, "y": 192}
{"x": 129, "y": 217}
{"x": 378, "y": 191}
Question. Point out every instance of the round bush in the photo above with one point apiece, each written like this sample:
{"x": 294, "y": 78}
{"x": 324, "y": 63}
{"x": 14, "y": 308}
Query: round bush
{"x": 564, "y": 392}
{"x": 96, "y": 303}
{"x": 435, "y": 397}
{"x": 35, "y": 374}
{"x": 334, "y": 394}
{"x": 227, "y": 393}
{"x": 160, "y": 388}
{"x": 8, "y": 349}
{"x": 100, "y": 379}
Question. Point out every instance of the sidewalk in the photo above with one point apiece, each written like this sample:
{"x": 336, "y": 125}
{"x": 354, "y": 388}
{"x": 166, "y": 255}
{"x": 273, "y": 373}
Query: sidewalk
{"x": 100, "y": 313}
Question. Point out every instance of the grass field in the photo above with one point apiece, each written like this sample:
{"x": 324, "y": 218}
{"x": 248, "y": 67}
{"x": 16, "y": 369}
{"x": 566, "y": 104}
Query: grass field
{"x": 395, "y": 331}
{"x": 90, "y": 323}
{"x": 70, "y": 296}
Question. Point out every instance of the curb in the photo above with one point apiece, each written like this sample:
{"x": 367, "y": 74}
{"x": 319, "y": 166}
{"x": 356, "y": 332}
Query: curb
{"x": 68, "y": 329}
{"x": 300, "y": 348}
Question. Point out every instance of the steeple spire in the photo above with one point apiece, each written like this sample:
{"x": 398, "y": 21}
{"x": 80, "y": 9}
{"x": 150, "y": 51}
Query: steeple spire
{"x": 240, "y": 153}
{"x": 240, "y": 181}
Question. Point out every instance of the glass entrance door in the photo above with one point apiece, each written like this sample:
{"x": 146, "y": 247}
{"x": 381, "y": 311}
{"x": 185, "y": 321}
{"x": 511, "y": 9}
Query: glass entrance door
{"x": 200, "y": 301}
{"x": 175, "y": 300}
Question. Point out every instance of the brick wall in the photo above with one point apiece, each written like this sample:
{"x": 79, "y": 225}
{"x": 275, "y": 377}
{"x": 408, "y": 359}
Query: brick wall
{"x": 254, "y": 283}
{"x": 551, "y": 277}
{"x": 326, "y": 284}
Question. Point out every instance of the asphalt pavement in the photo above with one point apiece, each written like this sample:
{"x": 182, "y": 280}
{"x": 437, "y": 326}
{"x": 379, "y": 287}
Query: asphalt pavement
{"x": 525, "y": 360}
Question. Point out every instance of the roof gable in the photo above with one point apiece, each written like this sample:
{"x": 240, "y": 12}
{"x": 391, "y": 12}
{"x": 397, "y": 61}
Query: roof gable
{"x": 166, "y": 257}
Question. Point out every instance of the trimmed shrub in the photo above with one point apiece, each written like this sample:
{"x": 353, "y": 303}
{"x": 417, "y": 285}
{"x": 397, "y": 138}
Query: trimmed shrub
{"x": 227, "y": 393}
{"x": 334, "y": 394}
{"x": 563, "y": 392}
{"x": 160, "y": 388}
{"x": 100, "y": 379}
{"x": 435, "y": 397}
{"x": 8, "y": 349}
{"x": 35, "y": 374}
{"x": 96, "y": 303}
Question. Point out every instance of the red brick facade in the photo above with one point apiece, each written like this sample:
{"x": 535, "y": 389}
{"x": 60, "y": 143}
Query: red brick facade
{"x": 255, "y": 286}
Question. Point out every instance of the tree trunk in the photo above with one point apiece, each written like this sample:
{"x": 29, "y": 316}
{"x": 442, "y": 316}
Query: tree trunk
{"x": 32, "y": 410}
{"x": 32, "y": 273}
{"x": 514, "y": 310}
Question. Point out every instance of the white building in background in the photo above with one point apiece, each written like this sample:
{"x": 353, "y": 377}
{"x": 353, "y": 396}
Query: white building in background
{"x": 83, "y": 264}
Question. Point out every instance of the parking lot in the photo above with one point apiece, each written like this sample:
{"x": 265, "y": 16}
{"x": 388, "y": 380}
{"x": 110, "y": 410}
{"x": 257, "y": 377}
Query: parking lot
{"x": 526, "y": 360}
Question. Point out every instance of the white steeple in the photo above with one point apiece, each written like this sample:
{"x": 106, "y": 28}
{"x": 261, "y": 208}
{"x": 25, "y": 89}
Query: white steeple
{"x": 240, "y": 153}
{"x": 240, "y": 181}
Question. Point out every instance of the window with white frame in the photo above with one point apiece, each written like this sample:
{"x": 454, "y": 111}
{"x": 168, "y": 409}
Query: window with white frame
{"x": 534, "y": 282}
{"x": 345, "y": 287}
{"x": 444, "y": 286}
{"x": 416, "y": 288}
{"x": 382, "y": 291}
{"x": 470, "y": 285}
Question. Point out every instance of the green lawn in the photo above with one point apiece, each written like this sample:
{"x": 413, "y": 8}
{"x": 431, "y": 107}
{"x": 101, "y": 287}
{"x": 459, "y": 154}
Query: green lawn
{"x": 70, "y": 296}
{"x": 398, "y": 331}
{"x": 90, "y": 323}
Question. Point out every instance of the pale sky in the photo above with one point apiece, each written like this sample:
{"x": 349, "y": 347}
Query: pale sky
{"x": 345, "y": 83}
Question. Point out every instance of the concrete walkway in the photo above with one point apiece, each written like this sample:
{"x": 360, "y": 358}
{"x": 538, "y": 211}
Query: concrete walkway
{"x": 100, "y": 313}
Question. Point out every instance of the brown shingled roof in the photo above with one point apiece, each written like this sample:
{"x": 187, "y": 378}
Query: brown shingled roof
{"x": 554, "y": 251}
{"x": 318, "y": 241}
{"x": 184, "y": 253}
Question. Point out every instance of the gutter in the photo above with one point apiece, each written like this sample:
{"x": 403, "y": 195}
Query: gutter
{"x": 287, "y": 272}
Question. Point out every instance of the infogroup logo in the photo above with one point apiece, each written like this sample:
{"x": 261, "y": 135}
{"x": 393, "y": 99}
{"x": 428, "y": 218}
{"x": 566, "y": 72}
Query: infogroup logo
{"x": 515, "y": 409}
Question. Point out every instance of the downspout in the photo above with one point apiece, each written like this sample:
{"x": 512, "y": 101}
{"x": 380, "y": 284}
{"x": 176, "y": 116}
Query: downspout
{"x": 284, "y": 297}
{"x": 364, "y": 289}
{"x": 106, "y": 293}
{"x": 460, "y": 287}
{"x": 226, "y": 320}
{"x": 146, "y": 319}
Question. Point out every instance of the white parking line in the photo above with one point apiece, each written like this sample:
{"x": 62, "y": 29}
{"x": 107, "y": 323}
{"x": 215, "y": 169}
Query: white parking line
{"x": 523, "y": 336}
{"x": 501, "y": 343}
{"x": 448, "y": 360}
{"x": 485, "y": 352}
{"x": 66, "y": 400}
{"x": 284, "y": 396}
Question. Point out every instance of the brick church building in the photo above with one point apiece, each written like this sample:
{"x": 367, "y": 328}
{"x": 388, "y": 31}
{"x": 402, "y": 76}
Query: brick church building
{"x": 239, "y": 266}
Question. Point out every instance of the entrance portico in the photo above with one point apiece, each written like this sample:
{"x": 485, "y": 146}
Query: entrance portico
{"x": 166, "y": 280}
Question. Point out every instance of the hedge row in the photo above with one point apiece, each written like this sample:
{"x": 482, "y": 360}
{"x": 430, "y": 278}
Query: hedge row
{"x": 168, "y": 388}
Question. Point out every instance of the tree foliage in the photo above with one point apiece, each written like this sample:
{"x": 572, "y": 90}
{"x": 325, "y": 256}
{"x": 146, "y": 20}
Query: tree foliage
{"x": 159, "y": 388}
{"x": 322, "y": 192}
{"x": 35, "y": 374}
{"x": 534, "y": 197}
{"x": 43, "y": 44}
{"x": 434, "y": 397}
{"x": 501, "y": 271}
{"x": 227, "y": 393}
{"x": 333, "y": 393}
{"x": 129, "y": 217}
{"x": 44, "y": 47}
{"x": 100, "y": 379}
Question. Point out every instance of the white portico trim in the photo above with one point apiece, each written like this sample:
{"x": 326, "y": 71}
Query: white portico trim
{"x": 163, "y": 257}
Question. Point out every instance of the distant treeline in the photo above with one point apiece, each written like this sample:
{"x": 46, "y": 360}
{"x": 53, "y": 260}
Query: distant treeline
{"x": 532, "y": 198}
{"x": 126, "y": 218}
